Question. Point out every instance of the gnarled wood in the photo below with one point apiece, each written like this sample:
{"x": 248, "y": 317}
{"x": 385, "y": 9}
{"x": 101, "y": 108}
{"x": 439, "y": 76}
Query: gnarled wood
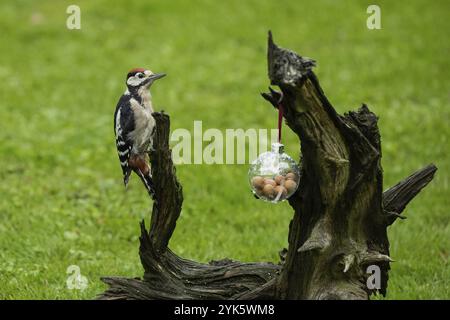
{"x": 340, "y": 211}
{"x": 168, "y": 276}
{"x": 397, "y": 197}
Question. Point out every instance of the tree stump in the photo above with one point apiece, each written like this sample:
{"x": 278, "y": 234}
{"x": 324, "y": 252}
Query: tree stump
{"x": 341, "y": 214}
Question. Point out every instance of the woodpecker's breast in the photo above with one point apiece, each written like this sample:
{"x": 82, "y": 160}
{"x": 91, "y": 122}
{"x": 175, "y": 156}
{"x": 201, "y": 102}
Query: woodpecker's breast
{"x": 144, "y": 124}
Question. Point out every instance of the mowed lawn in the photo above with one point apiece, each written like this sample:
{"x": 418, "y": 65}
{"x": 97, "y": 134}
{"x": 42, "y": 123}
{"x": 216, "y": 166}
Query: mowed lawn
{"x": 62, "y": 201}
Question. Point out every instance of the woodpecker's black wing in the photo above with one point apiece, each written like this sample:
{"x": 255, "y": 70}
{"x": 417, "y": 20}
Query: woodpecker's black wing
{"x": 123, "y": 125}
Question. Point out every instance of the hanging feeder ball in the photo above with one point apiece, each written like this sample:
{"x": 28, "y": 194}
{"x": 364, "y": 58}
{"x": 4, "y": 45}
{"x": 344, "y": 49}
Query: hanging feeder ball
{"x": 274, "y": 176}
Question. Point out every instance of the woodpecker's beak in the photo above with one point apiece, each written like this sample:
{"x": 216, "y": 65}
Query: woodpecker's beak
{"x": 156, "y": 76}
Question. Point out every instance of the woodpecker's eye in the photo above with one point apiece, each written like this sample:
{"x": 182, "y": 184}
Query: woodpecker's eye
{"x": 140, "y": 75}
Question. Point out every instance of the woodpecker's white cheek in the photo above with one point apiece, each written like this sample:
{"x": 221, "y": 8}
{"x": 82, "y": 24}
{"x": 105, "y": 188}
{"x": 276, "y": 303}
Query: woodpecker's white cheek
{"x": 133, "y": 81}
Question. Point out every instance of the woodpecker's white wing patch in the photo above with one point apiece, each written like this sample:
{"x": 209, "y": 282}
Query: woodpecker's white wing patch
{"x": 121, "y": 128}
{"x": 118, "y": 129}
{"x": 123, "y": 148}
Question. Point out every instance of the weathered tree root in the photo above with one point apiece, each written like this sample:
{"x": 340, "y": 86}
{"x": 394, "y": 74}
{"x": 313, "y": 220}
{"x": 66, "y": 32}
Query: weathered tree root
{"x": 340, "y": 212}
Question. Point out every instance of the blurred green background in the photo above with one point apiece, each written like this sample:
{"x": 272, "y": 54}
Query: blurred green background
{"x": 62, "y": 201}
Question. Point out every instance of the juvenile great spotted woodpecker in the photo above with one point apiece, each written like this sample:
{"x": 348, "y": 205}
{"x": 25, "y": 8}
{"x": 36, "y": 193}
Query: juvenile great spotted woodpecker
{"x": 134, "y": 126}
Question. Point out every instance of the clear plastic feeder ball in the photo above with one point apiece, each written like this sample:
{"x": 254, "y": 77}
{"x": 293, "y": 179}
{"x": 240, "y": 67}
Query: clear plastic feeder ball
{"x": 274, "y": 176}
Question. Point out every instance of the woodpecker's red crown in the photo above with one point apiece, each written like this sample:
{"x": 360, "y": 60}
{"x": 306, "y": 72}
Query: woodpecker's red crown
{"x": 133, "y": 72}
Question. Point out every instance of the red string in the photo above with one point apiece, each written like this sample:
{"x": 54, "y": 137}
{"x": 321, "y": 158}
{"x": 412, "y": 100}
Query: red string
{"x": 280, "y": 121}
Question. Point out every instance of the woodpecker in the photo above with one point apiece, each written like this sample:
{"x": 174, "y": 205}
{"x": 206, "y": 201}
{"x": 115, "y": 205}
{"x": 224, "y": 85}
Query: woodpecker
{"x": 134, "y": 126}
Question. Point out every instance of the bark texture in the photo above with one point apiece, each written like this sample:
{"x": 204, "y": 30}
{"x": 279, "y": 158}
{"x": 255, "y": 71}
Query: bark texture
{"x": 341, "y": 213}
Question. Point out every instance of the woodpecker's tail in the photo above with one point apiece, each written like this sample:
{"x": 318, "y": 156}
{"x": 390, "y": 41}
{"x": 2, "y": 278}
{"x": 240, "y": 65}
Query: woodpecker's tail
{"x": 126, "y": 175}
{"x": 148, "y": 182}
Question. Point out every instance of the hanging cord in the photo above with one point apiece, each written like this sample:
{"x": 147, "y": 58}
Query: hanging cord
{"x": 280, "y": 116}
{"x": 280, "y": 121}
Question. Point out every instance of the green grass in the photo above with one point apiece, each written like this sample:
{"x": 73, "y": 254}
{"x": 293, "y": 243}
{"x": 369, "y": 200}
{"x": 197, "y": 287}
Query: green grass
{"x": 62, "y": 201}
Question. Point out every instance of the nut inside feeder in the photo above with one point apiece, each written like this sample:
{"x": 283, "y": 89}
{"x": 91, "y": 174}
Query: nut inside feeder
{"x": 274, "y": 176}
